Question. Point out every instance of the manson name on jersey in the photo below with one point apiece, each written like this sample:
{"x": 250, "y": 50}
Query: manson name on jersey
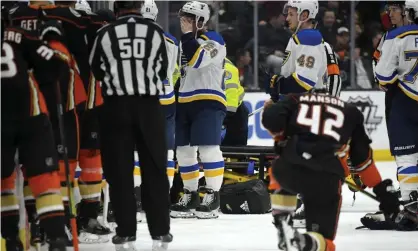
{"x": 321, "y": 99}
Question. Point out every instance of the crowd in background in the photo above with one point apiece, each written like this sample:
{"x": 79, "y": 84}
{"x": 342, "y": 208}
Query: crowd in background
{"x": 235, "y": 21}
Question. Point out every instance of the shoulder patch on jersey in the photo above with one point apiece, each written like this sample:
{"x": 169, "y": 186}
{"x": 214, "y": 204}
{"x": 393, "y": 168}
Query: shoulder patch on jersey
{"x": 74, "y": 12}
{"x": 13, "y": 10}
{"x": 214, "y": 36}
{"x": 403, "y": 31}
{"x": 170, "y": 38}
{"x": 228, "y": 75}
{"x": 309, "y": 37}
{"x": 210, "y": 47}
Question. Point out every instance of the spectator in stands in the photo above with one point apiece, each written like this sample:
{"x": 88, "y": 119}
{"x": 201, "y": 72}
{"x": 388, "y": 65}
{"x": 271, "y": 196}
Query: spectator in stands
{"x": 273, "y": 39}
{"x": 328, "y": 27}
{"x": 342, "y": 49}
{"x": 243, "y": 63}
{"x": 342, "y": 46}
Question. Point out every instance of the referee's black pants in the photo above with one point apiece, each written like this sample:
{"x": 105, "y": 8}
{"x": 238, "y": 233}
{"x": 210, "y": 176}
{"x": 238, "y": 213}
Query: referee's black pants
{"x": 127, "y": 122}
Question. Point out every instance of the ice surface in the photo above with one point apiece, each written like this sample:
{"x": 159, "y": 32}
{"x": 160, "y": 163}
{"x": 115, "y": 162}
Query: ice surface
{"x": 256, "y": 232}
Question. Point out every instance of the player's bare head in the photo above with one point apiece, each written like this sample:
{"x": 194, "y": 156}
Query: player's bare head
{"x": 66, "y": 3}
{"x": 196, "y": 12}
{"x": 300, "y": 13}
{"x": 395, "y": 10}
{"x": 121, "y": 7}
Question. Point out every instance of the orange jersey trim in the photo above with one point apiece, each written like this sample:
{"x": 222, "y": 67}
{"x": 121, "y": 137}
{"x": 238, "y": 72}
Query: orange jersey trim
{"x": 333, "y": 69}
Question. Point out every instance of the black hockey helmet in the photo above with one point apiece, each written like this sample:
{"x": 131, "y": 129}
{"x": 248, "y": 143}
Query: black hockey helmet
{"x": 106, "y": 15}
{"x": 119, "y": 5}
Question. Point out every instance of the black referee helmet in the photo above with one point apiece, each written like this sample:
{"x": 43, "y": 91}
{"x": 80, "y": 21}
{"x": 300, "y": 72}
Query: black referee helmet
{"x": 119, "y": 5}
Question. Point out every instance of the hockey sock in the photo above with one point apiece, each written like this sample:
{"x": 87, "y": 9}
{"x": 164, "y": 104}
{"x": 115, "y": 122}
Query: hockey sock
{"x": 213, "y": 165}
{"x": 137, "y": 171}
{"x": 9, "y": 208}
{"x": 282, "y": 201}
{"x": 190, "y": 176}
{"x": 49, "y": 205}
{"x": 30, "y": 204}
{"x": 90, "y": 182}
{"x": 407, "y": 174}
{"x": 170, "y": 166}
{"x": 189, "y": 167}
{"x": 62, "y": 177}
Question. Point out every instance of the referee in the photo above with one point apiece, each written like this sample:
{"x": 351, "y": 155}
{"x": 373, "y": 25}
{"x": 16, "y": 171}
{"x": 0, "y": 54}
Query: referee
{"x": 130, "y": 58}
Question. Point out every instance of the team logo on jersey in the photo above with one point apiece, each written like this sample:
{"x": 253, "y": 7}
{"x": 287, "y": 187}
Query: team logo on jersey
{"x": 369, "y": 110}
{"x": 228, "y": 75}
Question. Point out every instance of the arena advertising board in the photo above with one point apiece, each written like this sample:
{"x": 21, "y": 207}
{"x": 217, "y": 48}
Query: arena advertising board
{"x": 370, "y": 103}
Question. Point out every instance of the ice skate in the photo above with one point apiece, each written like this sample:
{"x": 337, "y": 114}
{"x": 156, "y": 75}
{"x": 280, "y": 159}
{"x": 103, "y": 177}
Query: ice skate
{"x": 37, "y": 235}
{"x": 209, "y": 208}
{"x": 299, "y": 220}
{"x": 14, "y": 244}
{"x": 160, "y": 243}
{"x": 289, "y": 238}
{"x": 91, "y": 231}
{"x": 187, "y": 205}
{"x": 124, "y": 243}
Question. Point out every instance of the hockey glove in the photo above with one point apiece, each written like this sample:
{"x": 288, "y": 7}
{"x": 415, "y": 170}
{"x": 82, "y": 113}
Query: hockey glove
{"x": 387, "y": 195}
{"x": 275, "y": 87}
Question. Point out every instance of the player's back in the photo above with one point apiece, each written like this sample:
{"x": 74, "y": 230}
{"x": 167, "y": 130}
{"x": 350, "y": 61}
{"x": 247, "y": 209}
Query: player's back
{"x": 27, "y": 16}
{"x": 75, "y": 29}
{"x": 319, "y": 127}
{"x": 21, "y": 52}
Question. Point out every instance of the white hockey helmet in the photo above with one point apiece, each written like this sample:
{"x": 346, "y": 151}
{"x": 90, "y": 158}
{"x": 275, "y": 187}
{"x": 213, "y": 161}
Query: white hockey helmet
{"x": 83, "y": 5}
{"x": 198, "y": 9}
{"x": 411, "y": 6}
{"x": 311, "y": 6}
{"x": 149, "y": 10}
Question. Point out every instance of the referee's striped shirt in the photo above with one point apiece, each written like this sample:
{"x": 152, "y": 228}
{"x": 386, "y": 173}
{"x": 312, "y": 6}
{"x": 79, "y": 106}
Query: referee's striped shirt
{"x": 130, "y": 57}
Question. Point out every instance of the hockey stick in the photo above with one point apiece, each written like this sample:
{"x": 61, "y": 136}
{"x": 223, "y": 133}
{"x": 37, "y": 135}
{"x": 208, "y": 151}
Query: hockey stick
{"x": 355, "y": 187}
{"x": 60, "y": 113}
{"x": 256, "y": 111}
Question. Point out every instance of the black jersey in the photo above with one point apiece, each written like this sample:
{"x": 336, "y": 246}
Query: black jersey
{"x": 320, "y": 129}
{"x": 21, "y": 52}
{"x": 74, "y": 26}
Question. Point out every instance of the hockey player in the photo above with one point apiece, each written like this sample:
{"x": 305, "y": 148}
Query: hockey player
{"x": 310, "y": 62}
{"x": 26, "y": 128}
{"x": 200, "y": 112}
{"x": 236, "y": 120}
{"x": 305, "y": 63}
{"x": 90, "y": 179}
{"x": 312, "y": 133}
{"x": 149, "y": 10}
{"x": 398, "y": 65}
{"x": 78, "y": 26}
{"x": 395, "y": 10}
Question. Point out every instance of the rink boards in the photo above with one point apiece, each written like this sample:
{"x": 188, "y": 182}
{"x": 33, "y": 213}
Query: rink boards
{"x": 370, "y": 103}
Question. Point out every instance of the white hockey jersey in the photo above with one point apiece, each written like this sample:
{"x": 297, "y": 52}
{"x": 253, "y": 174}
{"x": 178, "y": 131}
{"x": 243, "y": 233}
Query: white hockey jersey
{"x": 202, "y": 68}
{"x": 306, "y": 59}
{"x": 399, "y": 60}
{"x": 172, "y": 53}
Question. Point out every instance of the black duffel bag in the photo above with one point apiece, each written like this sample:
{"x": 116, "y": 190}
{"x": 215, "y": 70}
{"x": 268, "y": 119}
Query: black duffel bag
{"x": 250, "y": 197}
